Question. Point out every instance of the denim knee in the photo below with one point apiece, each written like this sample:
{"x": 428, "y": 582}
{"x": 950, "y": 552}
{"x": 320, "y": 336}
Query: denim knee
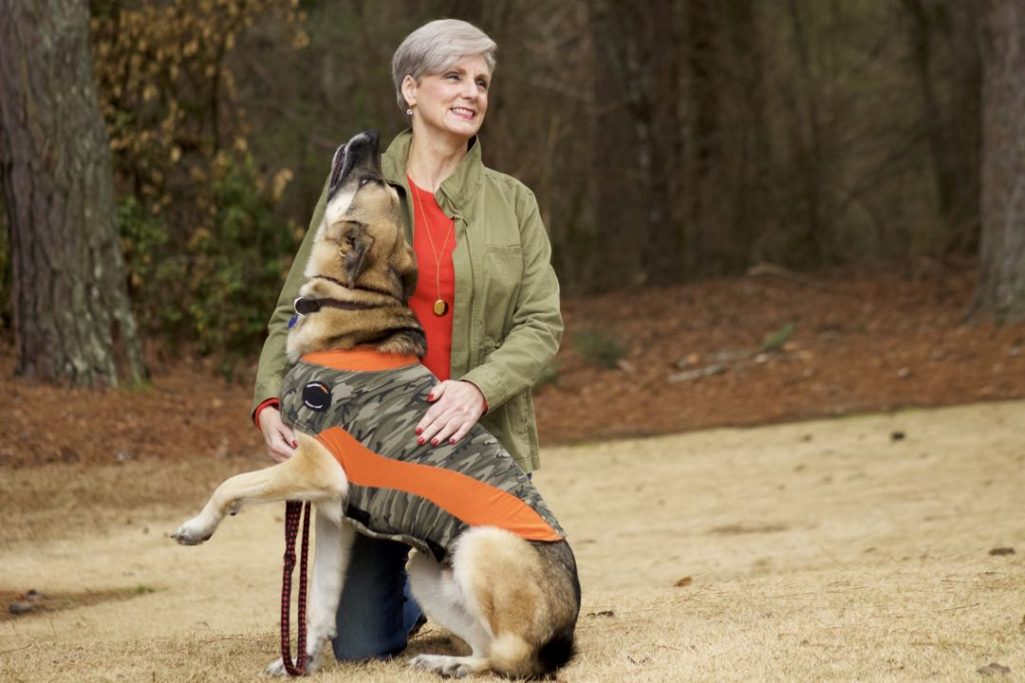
{"x": 376, "y": 611}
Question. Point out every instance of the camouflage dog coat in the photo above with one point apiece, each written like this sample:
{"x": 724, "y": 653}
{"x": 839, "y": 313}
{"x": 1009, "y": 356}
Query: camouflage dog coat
{"x": 364, "y": 406}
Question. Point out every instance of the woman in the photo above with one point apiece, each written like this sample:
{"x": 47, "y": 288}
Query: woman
{"x": 487, "y": 297}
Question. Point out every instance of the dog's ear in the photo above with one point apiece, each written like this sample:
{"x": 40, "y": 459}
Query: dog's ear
{"x": 353, "y": 246}
{"x": 401, "y": 191}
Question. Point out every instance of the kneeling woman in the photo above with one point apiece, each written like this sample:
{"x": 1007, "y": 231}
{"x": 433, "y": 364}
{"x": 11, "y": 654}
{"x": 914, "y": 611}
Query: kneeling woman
{"x": 487, "y": 297}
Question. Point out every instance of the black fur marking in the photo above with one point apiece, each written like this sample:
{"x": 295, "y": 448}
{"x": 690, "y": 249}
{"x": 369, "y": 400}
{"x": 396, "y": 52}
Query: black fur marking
{"x": 557, "y": 651}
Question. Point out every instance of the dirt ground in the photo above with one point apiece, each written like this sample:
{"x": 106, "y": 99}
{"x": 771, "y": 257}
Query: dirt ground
{"x": 689, "y": 357}
{"x": 880, "y": 547}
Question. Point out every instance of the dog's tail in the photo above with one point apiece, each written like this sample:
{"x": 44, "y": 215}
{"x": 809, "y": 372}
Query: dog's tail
{"x": 557, "y": 650}
{"x": 514, "y": 657}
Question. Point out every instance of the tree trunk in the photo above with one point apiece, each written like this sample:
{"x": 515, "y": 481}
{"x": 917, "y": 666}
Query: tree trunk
{"x": 72, "y": 319}
{"x": 952, "y": 128}
{"x": 1001, "y": 290}
{"x": 638, "y": 130}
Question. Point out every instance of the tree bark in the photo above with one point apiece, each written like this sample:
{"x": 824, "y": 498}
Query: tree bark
{"x": 951, "y": 128}
{"x": 638, "y": 130}
{"x": 72, "y": 319}
{"x": 1001, "y": 292}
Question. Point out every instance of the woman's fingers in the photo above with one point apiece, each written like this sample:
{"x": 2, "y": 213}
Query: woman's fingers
{"x": 288, "y": 435}
{"x": 461, "y": 432}
{"x": 456, "y": 408}
{"x": 279, "y": 437}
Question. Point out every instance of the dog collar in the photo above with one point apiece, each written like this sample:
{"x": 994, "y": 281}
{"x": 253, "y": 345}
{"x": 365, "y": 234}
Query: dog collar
{"x": 304, "y": 306}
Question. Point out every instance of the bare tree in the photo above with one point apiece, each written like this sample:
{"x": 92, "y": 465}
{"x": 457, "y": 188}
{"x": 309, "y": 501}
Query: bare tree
{"x": 1001, "y": 290}
{"x": 944, "y": 41}
{"x": 72, "y": 318}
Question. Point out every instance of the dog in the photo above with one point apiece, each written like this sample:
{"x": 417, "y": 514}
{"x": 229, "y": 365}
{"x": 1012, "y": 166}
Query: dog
{"x": 489, "y": 562}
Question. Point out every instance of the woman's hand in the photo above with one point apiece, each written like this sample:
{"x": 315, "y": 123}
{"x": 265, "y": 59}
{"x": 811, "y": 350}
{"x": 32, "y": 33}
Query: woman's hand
{"x": 279, "y": 437}
{"x": 457, "y": 407}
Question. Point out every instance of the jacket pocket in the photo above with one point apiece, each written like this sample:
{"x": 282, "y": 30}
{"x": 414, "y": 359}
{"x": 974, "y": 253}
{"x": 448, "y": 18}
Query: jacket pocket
{"x": 503, "y": 276}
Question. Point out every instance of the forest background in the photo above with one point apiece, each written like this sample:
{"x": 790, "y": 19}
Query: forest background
{"x": 760, "y": 212}
{"x": 689, "y": 140}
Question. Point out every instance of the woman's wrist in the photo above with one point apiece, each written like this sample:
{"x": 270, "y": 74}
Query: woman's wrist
{"x": 483, "y": 398}
{"x": 272, "y": 402}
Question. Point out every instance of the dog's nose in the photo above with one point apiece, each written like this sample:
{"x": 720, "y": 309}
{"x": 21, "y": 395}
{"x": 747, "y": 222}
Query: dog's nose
{"x": 369, "y": 140}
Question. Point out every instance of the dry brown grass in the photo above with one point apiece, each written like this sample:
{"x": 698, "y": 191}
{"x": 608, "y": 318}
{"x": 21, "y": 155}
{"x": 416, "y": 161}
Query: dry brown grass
{"x": 813, "y": 551}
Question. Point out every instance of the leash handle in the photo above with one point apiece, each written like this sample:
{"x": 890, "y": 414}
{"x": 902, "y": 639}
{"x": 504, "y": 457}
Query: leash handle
{"x": 294, "y": 510}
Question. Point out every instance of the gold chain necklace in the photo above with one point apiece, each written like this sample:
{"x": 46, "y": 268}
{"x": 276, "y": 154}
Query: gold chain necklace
{"x": 440, "y": 305}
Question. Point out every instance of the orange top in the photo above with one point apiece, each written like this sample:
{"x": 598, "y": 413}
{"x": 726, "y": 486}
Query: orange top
{"x": 434, "y": 240}
{"x": 359, "y": 359}
{"x": 465, "y": 498}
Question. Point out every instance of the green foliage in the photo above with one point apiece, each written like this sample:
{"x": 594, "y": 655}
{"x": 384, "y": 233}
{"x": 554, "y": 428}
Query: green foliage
{"x": 217, "y": 289}
{"x": 204, "y": 250}
{"x": 598, "y": 348}
{"x": 238, "y": 264}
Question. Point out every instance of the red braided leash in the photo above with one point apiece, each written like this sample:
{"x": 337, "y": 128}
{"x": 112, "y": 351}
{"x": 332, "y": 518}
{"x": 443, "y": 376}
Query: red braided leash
{"x": 293, "y": 511}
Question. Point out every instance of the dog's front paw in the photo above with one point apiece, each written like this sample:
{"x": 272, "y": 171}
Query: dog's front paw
{"x": 449, "y": 667}
{"x": 191, "y": 533}
{"x": 276, "y": 668}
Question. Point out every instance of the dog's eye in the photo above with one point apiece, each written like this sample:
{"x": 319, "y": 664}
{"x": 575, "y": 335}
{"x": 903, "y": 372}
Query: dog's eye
{"x": 364, "y": 181}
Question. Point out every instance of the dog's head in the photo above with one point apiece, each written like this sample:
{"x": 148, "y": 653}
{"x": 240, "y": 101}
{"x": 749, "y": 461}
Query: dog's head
{"x": 360, "y": 242}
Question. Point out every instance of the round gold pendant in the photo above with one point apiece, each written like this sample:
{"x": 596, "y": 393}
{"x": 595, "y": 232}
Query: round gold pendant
{"x": 440, "y": 307}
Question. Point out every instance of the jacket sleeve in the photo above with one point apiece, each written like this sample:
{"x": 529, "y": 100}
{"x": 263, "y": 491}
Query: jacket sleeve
{"x": 273, "y": 361}
{"x": 536, "y": 330}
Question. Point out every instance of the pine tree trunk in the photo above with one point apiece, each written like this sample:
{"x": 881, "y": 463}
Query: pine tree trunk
{"x": 1001, "y": 292}
{"x": 72, "y": 319}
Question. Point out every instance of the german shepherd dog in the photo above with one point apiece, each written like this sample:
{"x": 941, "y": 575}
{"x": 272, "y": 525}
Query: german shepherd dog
{"x": 498, "y": 574}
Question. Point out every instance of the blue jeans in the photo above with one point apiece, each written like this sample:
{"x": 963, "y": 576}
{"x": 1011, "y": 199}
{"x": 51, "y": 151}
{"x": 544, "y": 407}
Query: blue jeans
{"x": 377, "y": 611}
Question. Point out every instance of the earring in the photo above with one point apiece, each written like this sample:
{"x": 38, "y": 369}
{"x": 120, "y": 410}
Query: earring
{"x": 409, "y": 111}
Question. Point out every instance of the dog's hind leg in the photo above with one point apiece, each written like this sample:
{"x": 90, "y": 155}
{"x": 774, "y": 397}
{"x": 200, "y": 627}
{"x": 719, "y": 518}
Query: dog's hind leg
{"x": 331, "y": 559}
{"x": 500, "y": 579}
{"x": 444, "y": 601}
{"x": 311, "y": 474}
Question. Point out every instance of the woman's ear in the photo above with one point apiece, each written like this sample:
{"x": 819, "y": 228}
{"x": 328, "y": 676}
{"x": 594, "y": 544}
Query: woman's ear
{"x": 409, "y": 88}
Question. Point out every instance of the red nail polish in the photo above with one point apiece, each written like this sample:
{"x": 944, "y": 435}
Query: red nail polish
{"x": 452, "y": 442}
{"x": 420, "y": 441}
{"x": 419, "y": 431}
{"x": 434, "y": 442}
{"x": 430, "y": 397}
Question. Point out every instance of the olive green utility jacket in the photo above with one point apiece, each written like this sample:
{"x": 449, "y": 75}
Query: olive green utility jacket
{"x": 506, "y": 324}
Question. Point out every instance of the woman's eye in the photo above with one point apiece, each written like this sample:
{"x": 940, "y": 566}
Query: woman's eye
{"x": 483, "y": 85}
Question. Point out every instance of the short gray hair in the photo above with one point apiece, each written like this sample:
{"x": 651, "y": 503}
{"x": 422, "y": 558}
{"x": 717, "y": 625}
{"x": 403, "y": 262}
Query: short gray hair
{"x": 436, "y": 46}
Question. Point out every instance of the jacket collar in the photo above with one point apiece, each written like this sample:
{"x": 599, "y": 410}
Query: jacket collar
{"x": 457, "y": 191}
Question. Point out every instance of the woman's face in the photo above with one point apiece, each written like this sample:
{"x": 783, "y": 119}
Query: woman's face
{"x": 454, "y": 101}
